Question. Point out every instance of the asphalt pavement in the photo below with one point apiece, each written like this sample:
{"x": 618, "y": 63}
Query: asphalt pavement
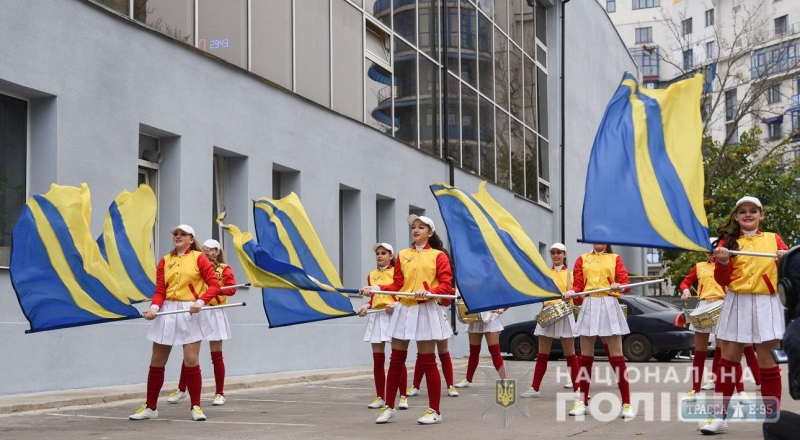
{"x": 333, "y": 404}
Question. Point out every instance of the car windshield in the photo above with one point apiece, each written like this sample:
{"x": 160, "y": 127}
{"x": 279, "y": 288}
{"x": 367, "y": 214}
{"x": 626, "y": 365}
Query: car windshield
{"x": 656, "y": 304}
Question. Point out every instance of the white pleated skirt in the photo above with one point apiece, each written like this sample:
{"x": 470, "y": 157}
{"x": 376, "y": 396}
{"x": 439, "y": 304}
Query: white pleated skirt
{"x": 424, "y": 322}
{"x": 222, "y": 330}
{"x": 494, "y": 325}
{"x": 601, "y": 316}
{"x": 377, "y": 325}
{"x": 179, "y": 328}
{"x": 751, "y": 318}
{"x": 564, "y": 328}
{"x": 712, "y": 329}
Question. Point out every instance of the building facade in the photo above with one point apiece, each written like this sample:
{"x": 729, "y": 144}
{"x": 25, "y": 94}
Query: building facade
{"x": 353, "y": 105}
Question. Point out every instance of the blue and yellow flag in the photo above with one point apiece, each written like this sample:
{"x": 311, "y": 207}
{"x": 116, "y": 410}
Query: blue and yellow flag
{"x": 57, "y": 271}
{"x": 299, "y": 283}
{"x": 497, "y": 264}
{"x": 644, "y": 186}
{"x": 126, "y": 240}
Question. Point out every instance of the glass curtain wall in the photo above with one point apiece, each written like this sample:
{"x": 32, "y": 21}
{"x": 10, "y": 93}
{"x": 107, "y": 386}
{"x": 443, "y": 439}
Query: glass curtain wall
{"x": 392, "y": 71}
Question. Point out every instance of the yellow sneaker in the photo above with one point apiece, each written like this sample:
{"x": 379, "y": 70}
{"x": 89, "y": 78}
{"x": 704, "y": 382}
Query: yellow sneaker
{"x": 627, "y": 411}
{"x": 691, "y": 396}
{"x": 197, "y": 414}
{"x": 452, "y": 392}
{"x": 403, "y": 403}
{"x": 429, "y": 418}
{"x": 219, "y": 399}
{"x": 377, "y": 403}
{"x": 144, "y": 413}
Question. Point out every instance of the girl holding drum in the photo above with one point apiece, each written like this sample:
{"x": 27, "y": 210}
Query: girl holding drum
{"x": 602, "y": 316}
{"x": 424, "y": 268}
{"x": 751, "y": 312}
{"x": 378, "y": 323}
{"x": 562, "y": 329}
{"x": 491, "y": 331}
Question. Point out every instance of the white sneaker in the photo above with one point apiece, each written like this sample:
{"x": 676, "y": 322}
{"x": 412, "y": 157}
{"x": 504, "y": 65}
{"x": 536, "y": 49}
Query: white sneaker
{"x": 403, "y": 403}
{"x": 627, "y": 411}
{"x": 176, "y": 396}
{"x": 579, "y": 409}
{"x": 386, "y": 414}
{"x": 429, "y": 418}
{"x": 569, "y": 385}
{"x": 452, "y": 393}
{"x": 219, "y": 399}
{"x": 144, "y": 413}
{"x": 377, "y": 403}
{"x": 691, "y": 396}
{"x": 463, "y": 384}
{"x": 530, "y": 393}
{"x": 411, "y": 391}
{"x": 707, "y": 386}
{"x": 744, "y": 399}
{"x": 714, "y": 426}
{"x": 197, "y": 414}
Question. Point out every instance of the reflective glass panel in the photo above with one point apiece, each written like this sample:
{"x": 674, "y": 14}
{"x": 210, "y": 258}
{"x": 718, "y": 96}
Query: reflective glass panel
{"x": 405, "y": 101}
{"x": 515, "y": 77}
{"x": 531, "y": 181}
{"x": 485, "y": 66}
{"x": 312, "y": 51}
{"x": 487, "y": 139}
{"x": 517, "y": 158}
{"x": 348, "y": 82}
{"x": 503, "y": 148}
{"x": 501, "y": 72}
{"x": 529, "y": 93}
{"x": 469, "y": 129}
{"x": 222, "y": 29}
{"x": 378, "y": 95}
{"x": 469, "y": 46}
{"x": 541, "y": 87}
{"x": 429, "y": 106}
{"x": 271, "y": 37}
{"x": 453, "y": 118}
{"x": 171, "y": 17}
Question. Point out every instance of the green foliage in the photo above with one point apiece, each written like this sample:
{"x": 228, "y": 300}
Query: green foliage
{"x": 736, "y": 170}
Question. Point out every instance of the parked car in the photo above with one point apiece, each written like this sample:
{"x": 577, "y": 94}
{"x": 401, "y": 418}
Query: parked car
{"x": 655, "y": 333}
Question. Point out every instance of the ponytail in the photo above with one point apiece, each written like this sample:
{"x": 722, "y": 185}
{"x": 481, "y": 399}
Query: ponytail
{"x": 436, "y": 243}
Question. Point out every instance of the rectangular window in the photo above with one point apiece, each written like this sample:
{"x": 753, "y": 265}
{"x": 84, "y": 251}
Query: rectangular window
{"x": 149, "y": 164}
{"x": 686, "y": 27}
{"x": 220, "y": 179}
{"x": 531, "y": 166}
{"x": 644, "y": 35}
{"x": 688, "y": 59}
{"x": 705, "y": 110}
{"x": 774, "y": 130}
{"x": 611, "y": 6}
{"x": 710, "y": 50}
{"x": 709, "y": 17}
{"x": 14, "y": 151}
{"x": 730, "y": 104}
{"x": 171, "y": 17}
{"x": 645, "y": 4}
{"x": 781, "y": 25}
{"x": 774, "y": 94}
{"x": 795, "y": 125}
{"x": 222, "y": 29}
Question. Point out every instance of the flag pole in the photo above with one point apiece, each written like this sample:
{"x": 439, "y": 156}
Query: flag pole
{"x": 753, "y": 254}
{"x": 427, "y": 295}
{"x": 624, "y": 286}
{"x": 224, "y": 306}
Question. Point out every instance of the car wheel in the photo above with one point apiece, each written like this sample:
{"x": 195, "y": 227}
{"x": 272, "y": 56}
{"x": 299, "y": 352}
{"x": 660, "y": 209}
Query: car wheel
{"x": 523, "y": 347}
{"x": 666, "y": 356}
{"x": 637, "y": 348}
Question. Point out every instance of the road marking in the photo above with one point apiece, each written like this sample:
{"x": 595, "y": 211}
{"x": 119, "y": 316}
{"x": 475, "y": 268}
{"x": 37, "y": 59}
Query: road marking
{"x": 187, "y": 421}
{"x": 338, "y": 388}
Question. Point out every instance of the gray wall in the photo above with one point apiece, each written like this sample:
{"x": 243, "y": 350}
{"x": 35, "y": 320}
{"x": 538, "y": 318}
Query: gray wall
{"x": 96, "y": 80}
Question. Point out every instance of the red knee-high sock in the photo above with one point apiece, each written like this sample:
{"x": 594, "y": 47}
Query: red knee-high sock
{"x": 447, "y": 369}
{"x": 752, "y": 362}
{"x": 771, "y": 387}
{"x": 725, "y": 381}
{"x": 432, "y": 380}
{"x": 715, "y": 364}
{"x": 739, "y": 383}
{"x": 182, "y": 380}
{"x": 497, "y": 360}
{"x": 155, "y": 380}
{"x": 539, "y": 370}
{"x": 418, "y": 373}
{"x": 572, "y": 363}
{"x": 585, "y": 377}
{"x": 379, "y": 372}
{"x": 396, "y": 362}
{"x": 621, "y": 370}
{"x": 698, "y": 365}
{"x": 403, "y": 381}
{"x": 472, "y": 363}
{"x": 605, "y": 348}
{"x": 219, "y": 371}
{"x": 194, "y": 383}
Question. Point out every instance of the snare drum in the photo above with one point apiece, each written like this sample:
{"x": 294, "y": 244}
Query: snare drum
{"x": 706, "y": 315}
{"x": 471, "y": 318}
{"x": 554, "y": 313}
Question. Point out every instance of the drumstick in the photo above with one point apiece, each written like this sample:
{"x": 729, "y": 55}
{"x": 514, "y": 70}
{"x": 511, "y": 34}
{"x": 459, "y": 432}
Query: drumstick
{"x": 625, "y": 286}
{"x": 172, "y": 312}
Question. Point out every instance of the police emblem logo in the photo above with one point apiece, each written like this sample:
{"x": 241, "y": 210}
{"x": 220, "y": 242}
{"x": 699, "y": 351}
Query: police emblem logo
{"x": 505, "y": 394}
